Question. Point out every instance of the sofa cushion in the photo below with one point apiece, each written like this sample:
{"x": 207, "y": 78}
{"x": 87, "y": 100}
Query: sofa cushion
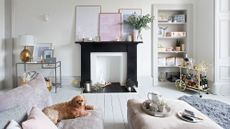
{"x": 38, "y": 120}
{"x": 13, "y": 125}
{"x": 93, "y": 121}
{"x": 16, "y": 103}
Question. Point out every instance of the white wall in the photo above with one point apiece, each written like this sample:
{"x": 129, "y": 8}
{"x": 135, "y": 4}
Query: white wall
{"x": 61, "y": 26}
{"x": 2, "y": 46}
{"x": 204, "y": 34}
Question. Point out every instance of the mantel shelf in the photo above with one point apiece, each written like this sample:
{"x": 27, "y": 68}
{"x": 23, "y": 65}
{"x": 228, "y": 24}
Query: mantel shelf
{"x": 108, "y": 42}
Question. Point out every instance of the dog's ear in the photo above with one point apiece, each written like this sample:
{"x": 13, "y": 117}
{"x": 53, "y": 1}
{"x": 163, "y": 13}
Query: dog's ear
{"x": 73, "y": 101}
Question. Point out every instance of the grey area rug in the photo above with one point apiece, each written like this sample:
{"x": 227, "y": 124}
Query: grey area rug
{"x": 215, "y": 110}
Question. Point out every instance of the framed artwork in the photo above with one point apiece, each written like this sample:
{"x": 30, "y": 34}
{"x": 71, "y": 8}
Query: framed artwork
{"x": 125, "y": 13}
{"x": 87, "y": 21}
{"x": 48, "y": 53}
{"x": 39, "y": 50}
{"x": 110, "y": 26}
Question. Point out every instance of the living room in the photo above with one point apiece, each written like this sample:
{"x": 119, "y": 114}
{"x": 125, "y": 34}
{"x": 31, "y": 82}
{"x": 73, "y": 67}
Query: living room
{"x": 202, "y": 35}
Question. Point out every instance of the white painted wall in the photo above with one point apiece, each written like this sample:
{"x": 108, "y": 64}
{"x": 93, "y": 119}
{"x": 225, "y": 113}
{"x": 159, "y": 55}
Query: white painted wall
{"x": 9, "y": 69}
{"x": 61, "y": 26}
{"x": 204, "y": 34}
{"x": 2, "y": 42}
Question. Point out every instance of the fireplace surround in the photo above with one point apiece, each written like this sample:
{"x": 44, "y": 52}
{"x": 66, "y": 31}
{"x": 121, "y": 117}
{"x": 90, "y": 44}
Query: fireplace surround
{"x": 108, "y": 46}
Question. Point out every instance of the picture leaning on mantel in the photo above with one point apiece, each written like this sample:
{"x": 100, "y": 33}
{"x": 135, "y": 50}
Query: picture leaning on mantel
{"x": 110, "y": 26}
{"x": 87, "y": 21}
{"x": 125, "y": 13}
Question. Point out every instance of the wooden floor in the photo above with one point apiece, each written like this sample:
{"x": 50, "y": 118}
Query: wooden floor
{"x": 114, "y": 105}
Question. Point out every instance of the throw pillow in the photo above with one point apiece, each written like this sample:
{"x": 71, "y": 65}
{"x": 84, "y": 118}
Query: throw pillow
{"x": 38, "y": 120}
{"x": 13, "y": 125}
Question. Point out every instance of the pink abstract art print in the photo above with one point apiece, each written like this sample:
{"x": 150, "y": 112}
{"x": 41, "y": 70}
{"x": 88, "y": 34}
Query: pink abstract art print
{"x": 110, "y": 26}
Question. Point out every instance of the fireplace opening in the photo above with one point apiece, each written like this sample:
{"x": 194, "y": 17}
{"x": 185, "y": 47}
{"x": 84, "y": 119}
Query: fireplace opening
{"x": 108, "y": 67}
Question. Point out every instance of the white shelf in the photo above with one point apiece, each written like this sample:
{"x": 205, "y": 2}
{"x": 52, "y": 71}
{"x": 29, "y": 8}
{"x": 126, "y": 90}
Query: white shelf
{"x": 171, "y": 37}
{"x": 172, "y": 52}
{"x": 164, "y": 12}
{"x": 168, "y": 66}
{"x": 171, "y": 23}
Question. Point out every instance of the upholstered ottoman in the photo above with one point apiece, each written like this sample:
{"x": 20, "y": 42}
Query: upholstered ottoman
{"x": 93, "y": 121}
{"x": 137, "y": 119}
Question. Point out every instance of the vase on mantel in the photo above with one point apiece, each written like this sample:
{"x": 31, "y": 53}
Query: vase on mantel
{"x": 137, "y": 35}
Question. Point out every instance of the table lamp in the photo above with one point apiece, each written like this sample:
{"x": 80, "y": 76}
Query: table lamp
{"x": 25, "y": 41}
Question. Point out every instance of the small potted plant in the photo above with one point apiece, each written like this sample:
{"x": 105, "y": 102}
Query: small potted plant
{"x": 138, "y": 22}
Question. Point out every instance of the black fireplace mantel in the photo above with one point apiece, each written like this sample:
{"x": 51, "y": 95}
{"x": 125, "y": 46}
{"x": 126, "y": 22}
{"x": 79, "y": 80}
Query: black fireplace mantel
{"x": 109, "y": 46}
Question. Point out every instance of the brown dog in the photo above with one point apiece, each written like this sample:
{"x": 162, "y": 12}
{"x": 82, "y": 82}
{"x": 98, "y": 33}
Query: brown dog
{"x": 68, "y": 110}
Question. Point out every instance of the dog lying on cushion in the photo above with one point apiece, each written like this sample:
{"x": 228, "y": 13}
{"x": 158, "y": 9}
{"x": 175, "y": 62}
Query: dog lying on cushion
{"x": 68, "y": 110}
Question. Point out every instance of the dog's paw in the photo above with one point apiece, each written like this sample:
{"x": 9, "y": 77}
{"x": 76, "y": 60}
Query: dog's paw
{"x": 89, "y": 114}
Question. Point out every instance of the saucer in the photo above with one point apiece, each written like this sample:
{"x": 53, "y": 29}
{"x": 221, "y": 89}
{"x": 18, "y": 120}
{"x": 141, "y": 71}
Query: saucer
{"x": 188, "y": 119}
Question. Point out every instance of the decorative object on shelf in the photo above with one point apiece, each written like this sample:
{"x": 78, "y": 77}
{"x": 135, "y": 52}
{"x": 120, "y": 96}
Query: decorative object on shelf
{"x": 110, "y": 26}
{"x": 162, "y": 76}
{"x": 162, "y": 31}
{"x": 27, "y": 41}
{"x": 48, "y": 53}
{"x": 170, "y": 61}
{"x": 87, "y": 22}
{"x": 127, "y": 29}
{"x": 178, "y": 45}
{"x": 178, "y": 34}
{"x": 162, "y": 61}
{"x": 172, "y": 76}
{"x": 179, "y": 18}
{"x": 39, "y": 51}
{"x": 138, "y": 23}
{"x": 179, "y": 61}
{"x": 182, "y": 47}
{"x": 163, "y": 18}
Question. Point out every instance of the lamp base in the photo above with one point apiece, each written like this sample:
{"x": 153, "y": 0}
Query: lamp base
{"x": 25, "y": 55}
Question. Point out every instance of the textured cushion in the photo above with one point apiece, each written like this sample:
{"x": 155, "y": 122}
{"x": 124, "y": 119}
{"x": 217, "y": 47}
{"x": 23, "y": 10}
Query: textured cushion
{"x": 38, "y": 120}
{"x": 137, "y": 119}
{"x": 13, "y": 125}
{"x": 93, "y": 121}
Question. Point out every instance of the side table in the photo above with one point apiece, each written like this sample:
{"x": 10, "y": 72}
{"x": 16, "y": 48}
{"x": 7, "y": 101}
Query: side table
{"x": 53, "y": 66}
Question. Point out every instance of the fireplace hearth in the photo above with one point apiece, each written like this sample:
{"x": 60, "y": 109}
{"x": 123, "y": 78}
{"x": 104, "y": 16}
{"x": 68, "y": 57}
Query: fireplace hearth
{"x": 110, "y": 46}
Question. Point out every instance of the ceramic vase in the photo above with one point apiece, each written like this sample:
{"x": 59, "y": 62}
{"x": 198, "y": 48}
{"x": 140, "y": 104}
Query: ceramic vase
{"x": 137, "y": 35}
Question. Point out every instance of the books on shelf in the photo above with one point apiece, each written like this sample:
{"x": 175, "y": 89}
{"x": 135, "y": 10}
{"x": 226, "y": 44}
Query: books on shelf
{"x": 170, "y": 61}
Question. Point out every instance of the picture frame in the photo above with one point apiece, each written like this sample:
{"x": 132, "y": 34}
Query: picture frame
{"x": 39, "y": 50}
{"x": 48, "y": 53}
{"x": 125, "y": 13}
{"x": 87, "y": 15}
{"x": 110, "y": 26}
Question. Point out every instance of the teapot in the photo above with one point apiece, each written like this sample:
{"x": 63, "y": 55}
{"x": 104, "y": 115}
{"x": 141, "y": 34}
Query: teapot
{"x": 155, "y": 97}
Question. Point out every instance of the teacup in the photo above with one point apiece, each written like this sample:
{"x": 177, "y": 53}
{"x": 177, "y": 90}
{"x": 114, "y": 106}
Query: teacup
{"x": 153, "y": 107}
{"x": 155, "y": 97}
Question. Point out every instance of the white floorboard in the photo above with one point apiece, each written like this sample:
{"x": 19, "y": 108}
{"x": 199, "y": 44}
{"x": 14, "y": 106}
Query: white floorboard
{"x": 114, "y": 105}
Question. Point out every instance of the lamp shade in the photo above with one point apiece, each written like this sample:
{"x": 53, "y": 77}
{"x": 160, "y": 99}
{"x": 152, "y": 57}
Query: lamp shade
{"x": 26, "y": 40}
